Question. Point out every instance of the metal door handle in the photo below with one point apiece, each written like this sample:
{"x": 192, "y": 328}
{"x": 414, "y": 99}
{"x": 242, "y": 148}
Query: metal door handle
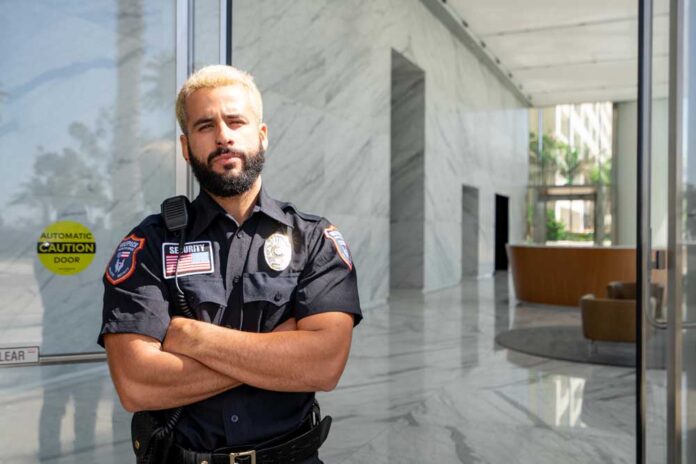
{"x": 661, "y": 324}
{"x": 660, "y": 260}
{"x": 649, "y": 316}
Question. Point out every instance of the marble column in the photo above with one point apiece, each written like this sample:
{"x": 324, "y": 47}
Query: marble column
{"x": 407, "y": 173}
{"x": 470, "y": 231}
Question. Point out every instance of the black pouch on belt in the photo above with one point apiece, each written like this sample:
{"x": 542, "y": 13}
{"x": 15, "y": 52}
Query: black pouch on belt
{"x": 151, "y": 442}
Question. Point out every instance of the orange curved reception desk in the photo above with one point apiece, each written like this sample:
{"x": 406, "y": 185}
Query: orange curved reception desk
{"x": 561, "y": 275}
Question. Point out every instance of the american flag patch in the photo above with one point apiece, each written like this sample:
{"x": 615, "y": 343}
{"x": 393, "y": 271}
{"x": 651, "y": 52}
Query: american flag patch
{"x": 196, "y": 258}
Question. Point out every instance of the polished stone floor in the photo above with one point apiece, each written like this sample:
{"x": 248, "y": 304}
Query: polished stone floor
{"x": 425, "y": 383}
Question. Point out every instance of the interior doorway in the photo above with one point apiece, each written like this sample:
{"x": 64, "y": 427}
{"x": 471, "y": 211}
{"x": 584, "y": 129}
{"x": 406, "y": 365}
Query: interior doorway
{"x": 470, "y": 232}
{"x": 407, "y": 188}
{"x": 502, "y": 231}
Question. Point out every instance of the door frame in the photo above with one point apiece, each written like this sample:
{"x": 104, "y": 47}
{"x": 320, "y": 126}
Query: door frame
{"x": 644, "y": 265}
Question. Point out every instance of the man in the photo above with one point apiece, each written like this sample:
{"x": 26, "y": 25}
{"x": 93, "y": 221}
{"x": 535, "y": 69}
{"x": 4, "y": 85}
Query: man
{"x": 274, "y": 292}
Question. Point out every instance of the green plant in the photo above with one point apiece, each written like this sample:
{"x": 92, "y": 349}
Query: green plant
{"x": 579, "y": 236}
{"x": 549, "y": 149}
{"x": 600, "y": 173}
{"x": 547, "y": 159}
{"x": 571, "y": 163}
{"x": 555, "y": 230}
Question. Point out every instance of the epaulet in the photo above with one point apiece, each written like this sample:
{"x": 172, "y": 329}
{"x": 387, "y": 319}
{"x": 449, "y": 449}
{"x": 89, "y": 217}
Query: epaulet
{"x": 153, "y": 220}
{"x": 305, "y": 216}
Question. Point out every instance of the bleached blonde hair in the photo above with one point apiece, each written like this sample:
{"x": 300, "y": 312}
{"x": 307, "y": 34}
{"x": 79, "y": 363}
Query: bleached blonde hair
{"x": 211, "y": 77}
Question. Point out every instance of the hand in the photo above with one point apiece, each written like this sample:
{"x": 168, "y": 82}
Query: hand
{"x": 287, "y": 326}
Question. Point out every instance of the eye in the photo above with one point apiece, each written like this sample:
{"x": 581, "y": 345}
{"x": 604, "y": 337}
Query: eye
{"x": 236, "y": 122}
{"x": 204, "y": 127}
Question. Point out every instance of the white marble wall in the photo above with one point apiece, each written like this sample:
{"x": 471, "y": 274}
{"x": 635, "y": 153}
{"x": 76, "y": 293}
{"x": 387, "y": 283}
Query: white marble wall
{"x": 324, "y": 69}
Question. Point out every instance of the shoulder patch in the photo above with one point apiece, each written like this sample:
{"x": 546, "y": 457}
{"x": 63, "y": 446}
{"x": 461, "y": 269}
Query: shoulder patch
{"x": 123, "y": 262}
{"x": 341, "y": 246}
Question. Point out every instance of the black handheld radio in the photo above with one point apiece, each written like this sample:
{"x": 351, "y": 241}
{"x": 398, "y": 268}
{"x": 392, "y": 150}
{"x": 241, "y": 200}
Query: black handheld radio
{"x": 175, "y": 215}
{"x": 153, "y": 434}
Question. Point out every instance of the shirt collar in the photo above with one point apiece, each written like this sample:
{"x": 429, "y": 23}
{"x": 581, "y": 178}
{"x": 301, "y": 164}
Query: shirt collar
{"x": 207, "y": 209}
{"x": 271, "y": 208}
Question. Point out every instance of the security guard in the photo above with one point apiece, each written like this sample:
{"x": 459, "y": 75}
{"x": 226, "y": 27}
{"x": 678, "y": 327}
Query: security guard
{"x": 273, "y": 291}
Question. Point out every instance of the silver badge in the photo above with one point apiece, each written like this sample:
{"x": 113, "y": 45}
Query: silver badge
{"x": 277, "y": 251}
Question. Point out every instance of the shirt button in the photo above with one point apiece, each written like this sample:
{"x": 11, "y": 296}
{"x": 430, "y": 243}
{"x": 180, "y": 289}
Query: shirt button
{"x": 235, "y": 279}
{"x": 277, "y": 296}
{"x": 234, "y": 418}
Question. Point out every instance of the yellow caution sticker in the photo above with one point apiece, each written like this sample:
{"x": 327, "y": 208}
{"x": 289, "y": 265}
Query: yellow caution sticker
{"x": 66, "y": 247}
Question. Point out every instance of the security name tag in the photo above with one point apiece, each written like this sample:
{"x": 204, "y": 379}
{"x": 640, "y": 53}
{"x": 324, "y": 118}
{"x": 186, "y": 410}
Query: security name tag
{"x": 196, "y": 258}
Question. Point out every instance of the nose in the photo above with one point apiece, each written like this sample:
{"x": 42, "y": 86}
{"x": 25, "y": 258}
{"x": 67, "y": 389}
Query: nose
{"x": 223, "y": 136}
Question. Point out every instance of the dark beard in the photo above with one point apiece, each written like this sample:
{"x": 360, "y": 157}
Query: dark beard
{"x": 222, "y": 185}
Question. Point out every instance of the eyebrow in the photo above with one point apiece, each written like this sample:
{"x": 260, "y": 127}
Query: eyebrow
{"x": 234, "y": 116}
{"x": 201, "y": 121}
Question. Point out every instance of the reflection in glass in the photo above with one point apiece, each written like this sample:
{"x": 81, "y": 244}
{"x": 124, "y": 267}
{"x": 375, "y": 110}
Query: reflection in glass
{"x": 206, "y": 33}
{"x": 654, "y": 340}
{"x": 688, "y": 235}
{"x": 86, "y": 134}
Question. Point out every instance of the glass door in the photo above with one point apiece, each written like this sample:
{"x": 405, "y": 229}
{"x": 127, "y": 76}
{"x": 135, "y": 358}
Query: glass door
{"x": 654, "y": 440}
{"x": 683, "y": 184}
{"x": 667, "y": 227}
{"x": 88, "y": 147}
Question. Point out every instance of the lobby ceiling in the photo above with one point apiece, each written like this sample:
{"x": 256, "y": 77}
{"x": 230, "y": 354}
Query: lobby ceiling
{"x": 567, "y": 51}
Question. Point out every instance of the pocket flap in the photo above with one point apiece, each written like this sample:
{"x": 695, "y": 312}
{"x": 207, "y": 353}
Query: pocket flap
{"x": 260, "y": 286}
{"x": 203, "y": 289}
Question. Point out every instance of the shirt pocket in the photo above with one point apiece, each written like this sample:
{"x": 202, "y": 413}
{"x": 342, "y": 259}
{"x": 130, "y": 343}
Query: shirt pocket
{"x": 205, "y": 294}
{"x": 269, "y": 297}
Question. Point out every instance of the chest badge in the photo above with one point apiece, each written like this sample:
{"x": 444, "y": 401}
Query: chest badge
{"x": 277, "y": 251}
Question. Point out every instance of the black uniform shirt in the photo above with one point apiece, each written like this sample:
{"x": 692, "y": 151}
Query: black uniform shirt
{"x": 225, "y": 274}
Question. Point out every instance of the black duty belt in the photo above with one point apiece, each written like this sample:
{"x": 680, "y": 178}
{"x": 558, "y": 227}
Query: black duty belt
{"x": 295, "y": 449}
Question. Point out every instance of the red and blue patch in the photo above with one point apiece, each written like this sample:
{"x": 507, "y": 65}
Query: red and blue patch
{"x": 341, "y": 246}
{"x": 123, "y": 262}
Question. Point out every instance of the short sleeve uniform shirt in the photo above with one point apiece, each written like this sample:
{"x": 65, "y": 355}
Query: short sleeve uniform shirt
{"x": 280, "y": 263}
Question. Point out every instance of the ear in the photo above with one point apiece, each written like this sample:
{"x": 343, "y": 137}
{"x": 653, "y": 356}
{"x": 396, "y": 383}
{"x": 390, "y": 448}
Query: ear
{"x": 263, "y": 135}
{"x": 184, "y": 147}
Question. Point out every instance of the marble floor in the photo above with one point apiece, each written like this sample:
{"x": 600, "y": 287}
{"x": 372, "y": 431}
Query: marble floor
{"x": 425, "y": 383}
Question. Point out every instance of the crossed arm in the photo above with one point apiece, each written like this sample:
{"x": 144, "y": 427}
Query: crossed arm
{"x": 198, "y": 360}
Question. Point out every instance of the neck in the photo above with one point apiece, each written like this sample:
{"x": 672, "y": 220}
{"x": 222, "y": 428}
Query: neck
{"x": 240, "y": 206}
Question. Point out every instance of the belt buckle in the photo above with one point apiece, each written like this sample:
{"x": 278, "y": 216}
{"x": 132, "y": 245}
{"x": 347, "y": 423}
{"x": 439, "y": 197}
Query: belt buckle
{"x": 242, "y": 454}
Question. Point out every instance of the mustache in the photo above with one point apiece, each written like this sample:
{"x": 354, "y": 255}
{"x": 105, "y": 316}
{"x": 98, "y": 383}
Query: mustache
{"x": 224, "y": 151}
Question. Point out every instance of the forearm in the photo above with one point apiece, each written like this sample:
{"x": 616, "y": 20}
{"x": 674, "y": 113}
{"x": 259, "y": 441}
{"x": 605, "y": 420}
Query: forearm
{"x": 147, "y": 378}
{"x": 308, "y": 359}
{"x": 288, "y": 361}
